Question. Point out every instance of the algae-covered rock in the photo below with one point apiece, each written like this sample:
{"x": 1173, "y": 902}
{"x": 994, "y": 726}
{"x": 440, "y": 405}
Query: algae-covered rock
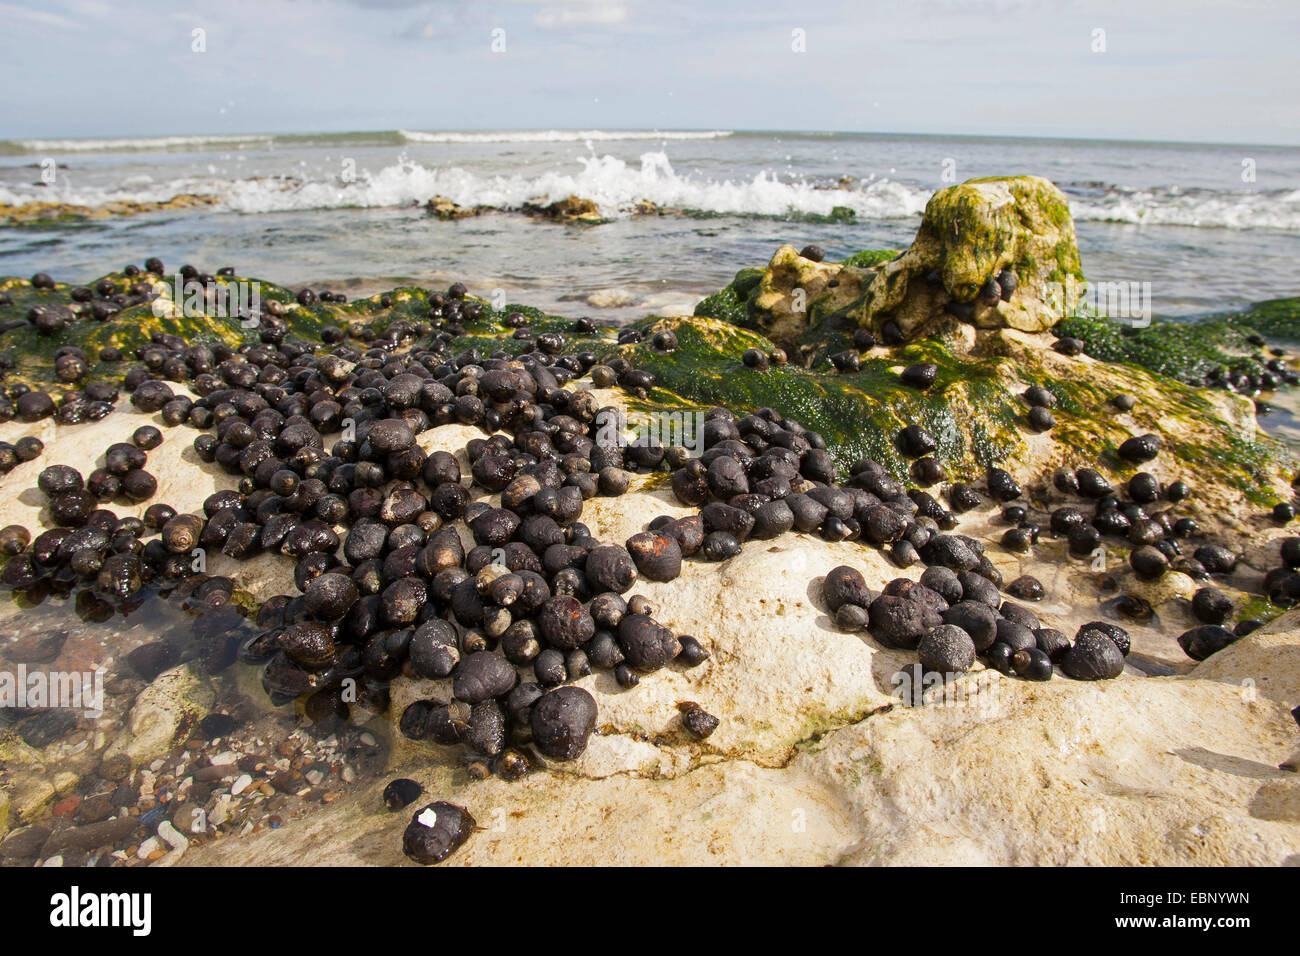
{"x": 982, "y": 231}
{"x": 1202, "y": 351}
{"x": 444, "y": 209}
{"x": 975, "y": 409}
{"x": 1276, "y": 318}
{"x": 789, "y": 299}
{"x": 970, "y": 410}
{"x": 570, "y": 209}
{"x": 46, "y": 213}
{"x": 169, "y": 707}
{"x": 996, "y": 253}
{"x": 794, "y": 293}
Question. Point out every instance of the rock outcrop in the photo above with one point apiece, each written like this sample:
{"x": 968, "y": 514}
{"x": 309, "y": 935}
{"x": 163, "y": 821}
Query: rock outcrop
{"x": 818, "y": 760}
{"x": 994, "y": 253}
{"x": 572, "y": 210}
{"x": 819, "y": 756}
{"x": 998, "y": 253}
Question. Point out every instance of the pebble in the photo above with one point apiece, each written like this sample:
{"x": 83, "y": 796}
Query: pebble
{"x": 188, "y": 818}
{"x": 697, "y": 720}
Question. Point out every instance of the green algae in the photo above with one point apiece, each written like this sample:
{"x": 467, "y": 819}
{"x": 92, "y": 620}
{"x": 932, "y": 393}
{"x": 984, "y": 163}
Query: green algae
{"x": 1275, "y": 318}
{"x": 972, "y": 409}
{"x": 725, "y": 305}
{"x": 1258, "y": 609}
{"x": 857, "y": 413}
{"x": 1186, "y": 351}
{"x": 870, "y": 258}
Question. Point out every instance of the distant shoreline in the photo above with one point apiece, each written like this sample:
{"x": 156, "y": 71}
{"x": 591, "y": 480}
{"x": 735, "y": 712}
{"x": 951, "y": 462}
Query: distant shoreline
{"x": 128, "y": 142}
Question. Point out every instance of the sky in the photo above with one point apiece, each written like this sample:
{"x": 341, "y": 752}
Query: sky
{"x": 1185, "y": 70}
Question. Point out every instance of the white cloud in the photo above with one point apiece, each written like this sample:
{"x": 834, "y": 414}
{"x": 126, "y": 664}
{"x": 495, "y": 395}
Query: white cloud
{"x": 421, "y": 30}
{"x": 42, "y": 17}
{"x": 581, "y": 14}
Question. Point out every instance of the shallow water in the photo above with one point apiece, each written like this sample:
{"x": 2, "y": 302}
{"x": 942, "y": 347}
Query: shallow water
{"x": 248, "y": 765}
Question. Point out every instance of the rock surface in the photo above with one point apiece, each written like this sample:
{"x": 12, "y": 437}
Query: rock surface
{"x": 795, "y": 292}
{"x": 166, "y": 709}
{"x": 971, "y": 233}
{"x": 817, "y": 760}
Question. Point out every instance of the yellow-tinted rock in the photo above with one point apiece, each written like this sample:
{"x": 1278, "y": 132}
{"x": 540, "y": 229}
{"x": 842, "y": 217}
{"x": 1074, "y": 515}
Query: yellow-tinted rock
{"x": 167, "y": 708}
{"x": 969, "y": 234}
{"x": 795, "y": 292}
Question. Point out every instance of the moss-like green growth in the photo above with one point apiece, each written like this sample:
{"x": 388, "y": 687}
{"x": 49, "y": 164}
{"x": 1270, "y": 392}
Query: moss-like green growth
{"x": 1186, "y": 351}
{"x": 725, "y": 305}
{"x": 1258, "y": 609}
{"x": 973, "y": 410}
{"x": 977, "y": 236}
{"x": 870, "y": 258}
{"x": 137, "y": 325}
{"x": 1276, "y": 318}
{"x": 858, "y": 414}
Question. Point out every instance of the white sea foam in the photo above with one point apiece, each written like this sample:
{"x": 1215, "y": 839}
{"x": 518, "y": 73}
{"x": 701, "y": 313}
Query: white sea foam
{"x": 135, "y": 143}
{"x": 559, "y": 135}
{"x": 617, "y": 186}
{"x": 1202, "y": 208}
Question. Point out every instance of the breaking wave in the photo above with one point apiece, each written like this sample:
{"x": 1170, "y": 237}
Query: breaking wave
{"x": 618, "y": 186}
